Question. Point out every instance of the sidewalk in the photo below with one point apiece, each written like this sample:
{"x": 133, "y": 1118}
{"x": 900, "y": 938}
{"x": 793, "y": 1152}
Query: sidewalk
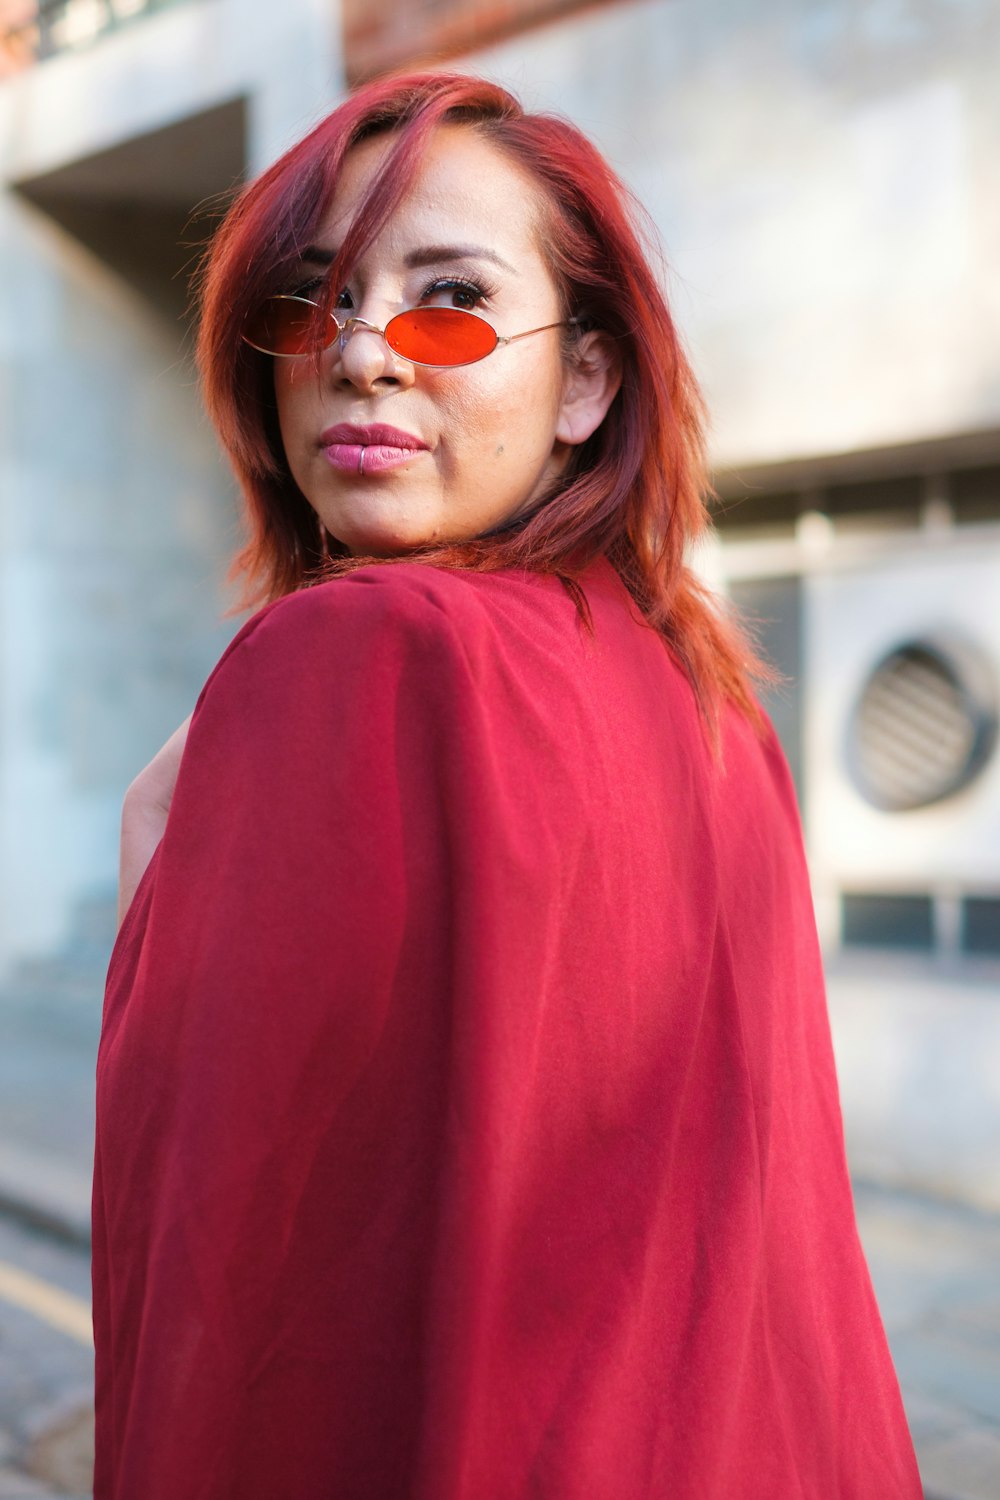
{"x": 936, "y": 1269}
{"x": 936, "y": 1266}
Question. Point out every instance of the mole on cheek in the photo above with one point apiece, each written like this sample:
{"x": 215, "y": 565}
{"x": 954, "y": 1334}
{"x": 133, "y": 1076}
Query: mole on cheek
{"x": 499, "y": 449}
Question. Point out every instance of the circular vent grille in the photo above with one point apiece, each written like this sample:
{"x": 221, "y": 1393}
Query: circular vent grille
{"x": 923, "y": 727}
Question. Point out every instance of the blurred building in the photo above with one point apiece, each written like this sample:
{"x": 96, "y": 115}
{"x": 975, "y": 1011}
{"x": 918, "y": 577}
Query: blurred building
{"x": 825, "y": 178}
{"x": 124, "y": 127}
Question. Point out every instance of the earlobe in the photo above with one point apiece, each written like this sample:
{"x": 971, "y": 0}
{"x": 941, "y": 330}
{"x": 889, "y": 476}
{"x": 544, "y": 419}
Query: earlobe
{"x": 591, "y": 384}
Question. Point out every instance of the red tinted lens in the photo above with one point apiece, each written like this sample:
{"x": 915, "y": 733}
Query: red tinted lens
{"x": 286, "y": 325}
{"x": 440, "y": 336}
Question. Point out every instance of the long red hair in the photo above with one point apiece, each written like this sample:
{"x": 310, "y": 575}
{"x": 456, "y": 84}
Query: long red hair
{"x": 635, "y": 491}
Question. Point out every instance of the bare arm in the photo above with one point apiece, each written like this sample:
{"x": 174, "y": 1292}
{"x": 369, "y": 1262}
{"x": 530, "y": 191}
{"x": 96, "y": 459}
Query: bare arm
{"x": 144, "y": 815}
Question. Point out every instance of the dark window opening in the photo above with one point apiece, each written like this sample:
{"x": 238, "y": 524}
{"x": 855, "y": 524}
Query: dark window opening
{"x": 981, "y": 924}
{"x": 975, "y": 494}
{"x": 883, "y": 921}
{"x": 902, "y": 493}
{"x": 772, "y": 609}
{"x": 891, "y": 501}
{"x": 753, "y": 509}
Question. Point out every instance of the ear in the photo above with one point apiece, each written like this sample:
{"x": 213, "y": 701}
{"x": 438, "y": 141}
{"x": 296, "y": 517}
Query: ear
{"x": 592, "y": 380}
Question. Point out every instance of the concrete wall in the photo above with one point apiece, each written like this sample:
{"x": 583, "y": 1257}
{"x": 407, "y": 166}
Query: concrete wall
{"x": 918, "y": 1057}
{"x": 176, "y": 62}
{"x": 117, "y": 515}
{"x": 111, "y": 532}
{"x": 826, "y": 178}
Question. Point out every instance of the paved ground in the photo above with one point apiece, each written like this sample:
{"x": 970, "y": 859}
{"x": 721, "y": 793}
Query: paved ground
{"x": 936, "y": 1267}
{"x": 936, "y": 1271}
{"x": 46, "y": 1366}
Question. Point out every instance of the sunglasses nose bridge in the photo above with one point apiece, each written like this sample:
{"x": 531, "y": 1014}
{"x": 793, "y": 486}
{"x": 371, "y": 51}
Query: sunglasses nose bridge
{"x": 352, "y": 325}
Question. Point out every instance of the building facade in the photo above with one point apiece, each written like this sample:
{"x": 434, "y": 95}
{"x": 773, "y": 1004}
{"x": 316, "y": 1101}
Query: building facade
{"x": 823, "y": 178}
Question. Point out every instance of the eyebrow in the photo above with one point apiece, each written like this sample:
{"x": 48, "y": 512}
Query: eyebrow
{"x": 427, "y": 255}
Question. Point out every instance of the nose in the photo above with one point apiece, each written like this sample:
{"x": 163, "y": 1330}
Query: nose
{"x": 352, "y": 325}
{"x": 364, "y": 360}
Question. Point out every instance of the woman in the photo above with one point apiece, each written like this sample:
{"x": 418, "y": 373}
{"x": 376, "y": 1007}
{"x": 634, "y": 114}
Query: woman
{"x": 467, "y": 1120}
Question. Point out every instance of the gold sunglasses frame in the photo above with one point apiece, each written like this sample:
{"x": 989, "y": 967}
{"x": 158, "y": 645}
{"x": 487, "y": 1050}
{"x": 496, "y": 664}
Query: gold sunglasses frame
{"x": 352, "y": 325}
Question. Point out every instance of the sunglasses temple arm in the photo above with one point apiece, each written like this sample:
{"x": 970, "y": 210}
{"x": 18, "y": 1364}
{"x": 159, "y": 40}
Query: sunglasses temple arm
{"x": 513, "y": 337}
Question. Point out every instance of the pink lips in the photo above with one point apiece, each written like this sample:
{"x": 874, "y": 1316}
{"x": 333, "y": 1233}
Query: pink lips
{"x": 369, "y": 450}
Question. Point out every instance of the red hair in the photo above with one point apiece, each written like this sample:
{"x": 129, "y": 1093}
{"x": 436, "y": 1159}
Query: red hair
{"x": 635, "y": 491}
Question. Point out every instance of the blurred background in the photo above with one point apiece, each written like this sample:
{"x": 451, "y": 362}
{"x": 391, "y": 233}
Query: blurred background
{"x": 825, "y": 178}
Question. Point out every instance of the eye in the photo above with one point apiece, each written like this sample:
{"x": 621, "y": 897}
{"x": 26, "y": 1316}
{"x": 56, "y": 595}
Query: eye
{"x": 457, "y": 291}
{"x": 307, "y": 287}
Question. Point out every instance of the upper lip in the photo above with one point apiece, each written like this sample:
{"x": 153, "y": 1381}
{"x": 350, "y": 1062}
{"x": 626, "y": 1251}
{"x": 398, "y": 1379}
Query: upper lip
{"x": 378, "y": 433}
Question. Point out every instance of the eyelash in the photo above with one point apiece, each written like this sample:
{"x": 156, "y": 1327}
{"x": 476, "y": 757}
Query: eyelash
{"x": 476, "y": 289}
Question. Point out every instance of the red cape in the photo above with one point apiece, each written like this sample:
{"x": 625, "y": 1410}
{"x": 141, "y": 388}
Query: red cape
{"x": 467, "y": 1118}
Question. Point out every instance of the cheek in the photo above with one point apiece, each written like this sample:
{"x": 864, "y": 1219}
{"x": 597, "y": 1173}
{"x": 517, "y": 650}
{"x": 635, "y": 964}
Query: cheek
{"x": 295, "y": 395}
{"x": 503, "y": 417}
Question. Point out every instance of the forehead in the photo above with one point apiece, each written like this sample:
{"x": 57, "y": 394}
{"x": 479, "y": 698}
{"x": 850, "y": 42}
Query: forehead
{"x": 464, "y": 190}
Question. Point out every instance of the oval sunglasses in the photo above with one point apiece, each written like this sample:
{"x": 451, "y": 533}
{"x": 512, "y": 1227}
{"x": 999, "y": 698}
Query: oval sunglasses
{"x": 441, "y": 337}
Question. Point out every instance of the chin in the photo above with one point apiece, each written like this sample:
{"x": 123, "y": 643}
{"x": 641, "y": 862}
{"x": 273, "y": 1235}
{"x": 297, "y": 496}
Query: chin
{"x": 388, "y": 542}
{"x": 384, "y": 525}
{"x": 389, "y": 535}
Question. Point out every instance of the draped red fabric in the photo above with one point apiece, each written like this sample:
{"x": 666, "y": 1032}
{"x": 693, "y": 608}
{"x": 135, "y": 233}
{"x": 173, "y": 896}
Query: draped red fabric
{"x": 467, "y": 1118}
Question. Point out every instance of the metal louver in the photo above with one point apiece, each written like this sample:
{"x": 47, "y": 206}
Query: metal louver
{"x": 923, "y": 726}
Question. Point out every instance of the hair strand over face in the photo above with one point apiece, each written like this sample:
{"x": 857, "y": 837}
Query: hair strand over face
{"x": 635, "y": 491}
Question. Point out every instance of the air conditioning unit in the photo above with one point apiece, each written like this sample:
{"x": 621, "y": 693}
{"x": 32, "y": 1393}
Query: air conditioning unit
{"x": 901, "y": 762}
